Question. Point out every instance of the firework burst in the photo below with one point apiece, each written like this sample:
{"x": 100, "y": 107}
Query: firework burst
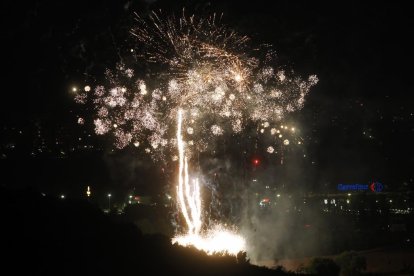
{"x": 199, "y": 65}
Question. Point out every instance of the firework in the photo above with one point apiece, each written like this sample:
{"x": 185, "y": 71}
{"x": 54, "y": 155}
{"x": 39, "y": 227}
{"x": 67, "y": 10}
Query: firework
{"x": 218, "y": 77}
{"x": 198, "y": 65}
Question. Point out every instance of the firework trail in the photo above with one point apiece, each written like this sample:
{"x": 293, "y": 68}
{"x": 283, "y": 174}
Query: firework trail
{"x": 187, "y": 199}
{"x": 216, "y": 240}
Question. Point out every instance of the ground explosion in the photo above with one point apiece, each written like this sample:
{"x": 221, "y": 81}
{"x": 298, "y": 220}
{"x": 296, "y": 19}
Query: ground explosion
{"x": 208, "y": 78}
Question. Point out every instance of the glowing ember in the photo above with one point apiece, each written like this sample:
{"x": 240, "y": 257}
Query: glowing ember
{"x": 217, "y": 240}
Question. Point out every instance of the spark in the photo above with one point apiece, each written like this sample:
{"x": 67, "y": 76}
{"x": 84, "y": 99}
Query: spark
{"x": 215, "y": 241}
{"x": 216, "y": 130}
{"x": 238, "y": 78}
{"x": 281, "y": 76}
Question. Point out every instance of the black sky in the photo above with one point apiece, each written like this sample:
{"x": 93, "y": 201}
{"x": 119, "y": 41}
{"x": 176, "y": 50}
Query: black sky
{"x": 358, "y": 121}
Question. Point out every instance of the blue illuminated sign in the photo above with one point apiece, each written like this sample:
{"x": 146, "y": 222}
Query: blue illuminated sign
{"x": 374, "y": 186}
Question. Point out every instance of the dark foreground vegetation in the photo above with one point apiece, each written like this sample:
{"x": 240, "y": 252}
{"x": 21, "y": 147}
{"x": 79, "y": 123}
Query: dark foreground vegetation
{"x": 44, "y": 235}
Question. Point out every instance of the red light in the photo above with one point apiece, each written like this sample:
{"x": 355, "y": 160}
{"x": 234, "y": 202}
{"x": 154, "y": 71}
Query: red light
{"x": 256, "y": 161}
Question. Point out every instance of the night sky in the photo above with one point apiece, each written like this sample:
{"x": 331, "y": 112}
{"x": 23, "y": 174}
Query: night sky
{"x": 358, "y": 121}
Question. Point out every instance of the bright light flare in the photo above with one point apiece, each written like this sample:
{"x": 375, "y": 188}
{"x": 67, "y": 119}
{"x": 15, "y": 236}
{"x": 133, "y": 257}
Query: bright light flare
{"x": 218, "y": 240}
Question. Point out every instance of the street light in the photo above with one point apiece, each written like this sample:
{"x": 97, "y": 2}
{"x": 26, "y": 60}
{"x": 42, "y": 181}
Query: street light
{"x": 109, "y": 202}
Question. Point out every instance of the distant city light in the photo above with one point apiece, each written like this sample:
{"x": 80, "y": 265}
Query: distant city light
{"x": 62, "y": 196}
{"x": 264, "y": 202}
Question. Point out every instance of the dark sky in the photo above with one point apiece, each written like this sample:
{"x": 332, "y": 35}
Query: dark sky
{"x": 358, "y": 121}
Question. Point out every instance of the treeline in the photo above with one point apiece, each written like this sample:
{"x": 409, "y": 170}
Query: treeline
{"x": 44, "y": 235}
